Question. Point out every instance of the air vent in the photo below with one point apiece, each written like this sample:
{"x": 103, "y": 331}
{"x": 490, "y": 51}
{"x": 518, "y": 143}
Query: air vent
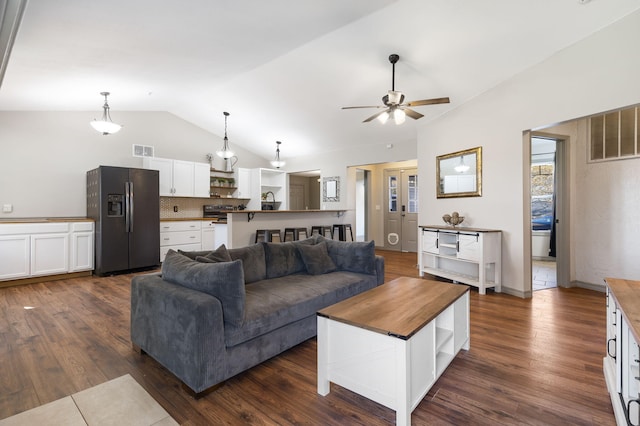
{"x": 142, "y": 151}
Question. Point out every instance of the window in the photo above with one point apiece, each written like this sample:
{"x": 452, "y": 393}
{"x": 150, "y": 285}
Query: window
{"x": 413, "y": 194}
{"x": 543, "y": 152}
{"x": 393, "y": 194}
{"x": 614, "y": 135}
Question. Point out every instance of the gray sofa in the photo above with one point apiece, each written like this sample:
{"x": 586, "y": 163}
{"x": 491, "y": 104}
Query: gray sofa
{"x": 211, "y": 315}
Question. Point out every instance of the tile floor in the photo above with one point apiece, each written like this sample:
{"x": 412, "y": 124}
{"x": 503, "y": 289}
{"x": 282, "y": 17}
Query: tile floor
{"x": 544, "y": 274}
{"x": 118, "y": 402}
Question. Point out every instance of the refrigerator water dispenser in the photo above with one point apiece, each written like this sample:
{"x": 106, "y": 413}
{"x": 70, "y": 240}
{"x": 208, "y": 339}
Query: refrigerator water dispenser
{"x": 115, "y": 205}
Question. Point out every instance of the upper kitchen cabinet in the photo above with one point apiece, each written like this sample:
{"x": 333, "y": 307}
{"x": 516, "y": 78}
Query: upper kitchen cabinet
{"x": 269, "y": 190}
{"x": 180, "y": 178}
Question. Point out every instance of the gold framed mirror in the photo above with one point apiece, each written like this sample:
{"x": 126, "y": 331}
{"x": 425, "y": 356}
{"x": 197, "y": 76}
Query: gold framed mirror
{"x": 459, "y": 174}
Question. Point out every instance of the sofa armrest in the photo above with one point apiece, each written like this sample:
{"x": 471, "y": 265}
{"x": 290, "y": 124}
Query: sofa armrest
{"x": 380, "y": 269}
{"x": 180, "y": 328}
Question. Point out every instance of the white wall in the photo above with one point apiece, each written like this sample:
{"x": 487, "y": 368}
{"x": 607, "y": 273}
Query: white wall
{"x": 45, "y": 155}
{"x": 596, "y": 74}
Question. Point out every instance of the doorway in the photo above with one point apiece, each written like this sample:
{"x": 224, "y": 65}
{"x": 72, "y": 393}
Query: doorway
{"x": 304, "y": 190}
{"x": 401, "y": 209}
{"x": 546, "y": 209}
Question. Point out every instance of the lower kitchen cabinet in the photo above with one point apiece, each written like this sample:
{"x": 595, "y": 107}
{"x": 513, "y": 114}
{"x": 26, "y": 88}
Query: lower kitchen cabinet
{"x": 14, "y": 256}
{"x": 621, "y": 364}
{"x": 180, "y": 235}
{"x": 45, "y": 248}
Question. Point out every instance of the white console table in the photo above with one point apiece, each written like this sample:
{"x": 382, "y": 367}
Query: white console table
{"x": 467, "y": 255}
{"x": 621, "y": 365}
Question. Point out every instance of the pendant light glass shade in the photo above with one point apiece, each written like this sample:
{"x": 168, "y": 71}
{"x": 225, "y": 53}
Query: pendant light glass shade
{"x": 105, "y": 125}
{"x": 225, "y": 152}
{"x": 277, "y": 163}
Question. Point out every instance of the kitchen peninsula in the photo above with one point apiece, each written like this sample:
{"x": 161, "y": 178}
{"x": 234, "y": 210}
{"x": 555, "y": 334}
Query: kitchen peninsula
{"x": 242, "y": 224}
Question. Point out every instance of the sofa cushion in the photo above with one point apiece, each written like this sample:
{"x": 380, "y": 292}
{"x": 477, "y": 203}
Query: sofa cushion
{"x": 354, "y": 256}
{"x": 223, "y": 280}
{"x": 218, "y": 255}
{"x": 283, "y": 258}
{"x": 316, "y": 258}
{"x": 253, "y": 262}
{"x": 274, "y": 303}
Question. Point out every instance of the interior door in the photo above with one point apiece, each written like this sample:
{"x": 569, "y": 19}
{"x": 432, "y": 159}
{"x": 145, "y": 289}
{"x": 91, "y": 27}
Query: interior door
{"x": 401, "y": 210}
{"x": 409, "y": 210}
{"x": 296, "y": 196}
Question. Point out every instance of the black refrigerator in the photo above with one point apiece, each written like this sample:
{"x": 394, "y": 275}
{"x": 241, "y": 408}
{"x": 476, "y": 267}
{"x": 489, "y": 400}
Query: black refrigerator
{"x": 125, "y": 205}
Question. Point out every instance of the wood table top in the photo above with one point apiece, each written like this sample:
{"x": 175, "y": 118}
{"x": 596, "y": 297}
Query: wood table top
{"x": 627, "y": 295}
{"x": 398, "y": 308}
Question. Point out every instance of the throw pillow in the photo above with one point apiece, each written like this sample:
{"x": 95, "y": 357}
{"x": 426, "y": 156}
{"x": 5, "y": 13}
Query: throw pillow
{"x": 354, "y": 256}
{"x": 316, "y": 258}
{"x": 218, "y": 255}
{"x": 253, "y": 262}
{"x": 282, "y": 259}
{"x": 223, "y": 280}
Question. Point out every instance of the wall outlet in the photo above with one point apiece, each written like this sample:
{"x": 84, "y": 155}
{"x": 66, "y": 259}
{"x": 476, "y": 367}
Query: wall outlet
{"x": 7, "y": 208}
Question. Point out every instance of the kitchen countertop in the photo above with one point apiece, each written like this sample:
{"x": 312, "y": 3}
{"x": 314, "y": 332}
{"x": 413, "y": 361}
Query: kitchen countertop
{"x": 44, "y": 219}
{"x": 287, "y": 211}
{"x": 188, "y": 219}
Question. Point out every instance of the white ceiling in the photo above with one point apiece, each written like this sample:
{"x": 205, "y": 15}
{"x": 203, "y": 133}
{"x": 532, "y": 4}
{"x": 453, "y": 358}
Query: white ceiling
{"x": 283, "y": 68}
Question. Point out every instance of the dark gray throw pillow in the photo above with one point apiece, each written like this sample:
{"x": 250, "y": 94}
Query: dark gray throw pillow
{"x": 316, "y": 258}
{"x": 218, "y": 255}
{"x": 354, "y": 256}
{"x": 223, "y": 280}
{"x": 253, "y": 262}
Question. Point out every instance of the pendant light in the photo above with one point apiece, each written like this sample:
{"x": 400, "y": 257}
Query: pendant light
{"x": 105, "y": 125}
{"x": 225, "y": 152}
{"x": 277, "y": 163}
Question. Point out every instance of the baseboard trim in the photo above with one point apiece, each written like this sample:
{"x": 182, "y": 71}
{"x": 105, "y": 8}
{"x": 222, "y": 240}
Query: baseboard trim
{"x": 596, "y": 287}
{"x": 44, "y": 278}
{"x": 517, "y": 293}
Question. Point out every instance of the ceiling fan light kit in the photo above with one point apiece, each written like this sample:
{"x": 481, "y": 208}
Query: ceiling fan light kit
{"x": 393, "y": 101}
{"x": 225, "y": 153}
{"x": 105, "y": 125}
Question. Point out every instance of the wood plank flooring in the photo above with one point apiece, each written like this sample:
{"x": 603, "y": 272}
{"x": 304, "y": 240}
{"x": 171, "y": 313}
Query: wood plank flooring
{"x": 532, "y": 362}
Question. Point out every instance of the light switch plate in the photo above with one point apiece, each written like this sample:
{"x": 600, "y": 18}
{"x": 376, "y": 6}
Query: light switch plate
{"x": 7, "y": 208}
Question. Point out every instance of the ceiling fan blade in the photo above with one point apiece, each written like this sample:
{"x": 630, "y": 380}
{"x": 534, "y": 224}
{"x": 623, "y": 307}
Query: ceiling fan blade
{"x": 370, "y": 106}
{"x": 413, "y": 114}
{"x": 428, "y": 102}
{"x": 374, "y": 116}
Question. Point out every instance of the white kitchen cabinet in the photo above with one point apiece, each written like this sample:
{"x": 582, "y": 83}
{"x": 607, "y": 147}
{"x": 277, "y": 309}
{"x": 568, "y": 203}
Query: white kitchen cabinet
{"x": 201, "y": 180}
{"x": 621, "y": 365}
{"x": 467, "y": 255}
{"x": 268, "y": 181}
{"x": 82, "y": 247}
{"x": 32, "y": 249}
{"x": 209, "y": 235}
{"x": 180, "y": 235}
{"x": 180, "y": 178}
{"x": 15, "y": 256}
{"x": 49, "y": 254}
{"x": 221, "y": 235}
{"x": 243, "y": 181}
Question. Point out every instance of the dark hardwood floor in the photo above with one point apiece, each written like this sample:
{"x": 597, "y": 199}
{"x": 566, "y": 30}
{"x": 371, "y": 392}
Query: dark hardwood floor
{"x": 531, "y": 362}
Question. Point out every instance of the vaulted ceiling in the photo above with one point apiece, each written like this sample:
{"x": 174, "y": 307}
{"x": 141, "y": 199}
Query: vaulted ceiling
{"x": 284, "y": 68}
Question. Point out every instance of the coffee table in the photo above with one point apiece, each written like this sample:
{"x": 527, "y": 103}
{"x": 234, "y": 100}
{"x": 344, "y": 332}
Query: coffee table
{"x": 390, "y": 344}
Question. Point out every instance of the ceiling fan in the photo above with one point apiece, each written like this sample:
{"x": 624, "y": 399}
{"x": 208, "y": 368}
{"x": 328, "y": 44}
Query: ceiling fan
{"x": 393, "y": 102}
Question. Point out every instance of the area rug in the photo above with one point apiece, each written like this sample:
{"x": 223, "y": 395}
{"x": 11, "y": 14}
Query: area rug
{"x": 118, "y": 402}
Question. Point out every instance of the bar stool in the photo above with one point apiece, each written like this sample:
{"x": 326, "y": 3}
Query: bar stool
{"x": 343, "y": 231}
{"x": 268, "y": 235}
{"x": 325, "y": 231}
{"x": 295, "y": 234}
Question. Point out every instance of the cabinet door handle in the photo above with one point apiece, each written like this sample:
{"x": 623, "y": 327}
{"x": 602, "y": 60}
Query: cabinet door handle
{"x": 609, "y": 346}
